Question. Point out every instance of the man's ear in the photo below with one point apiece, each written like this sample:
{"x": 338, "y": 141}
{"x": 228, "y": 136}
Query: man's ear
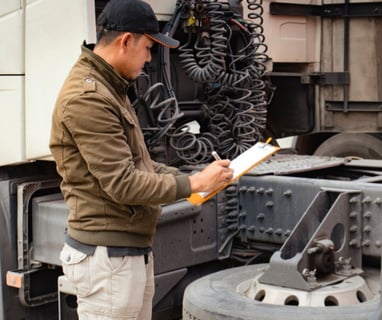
{"x": 126, "y": 38}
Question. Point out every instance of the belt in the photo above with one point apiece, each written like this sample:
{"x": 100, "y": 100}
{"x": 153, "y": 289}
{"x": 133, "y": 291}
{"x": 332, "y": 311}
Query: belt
{"x": 89, "y": 249}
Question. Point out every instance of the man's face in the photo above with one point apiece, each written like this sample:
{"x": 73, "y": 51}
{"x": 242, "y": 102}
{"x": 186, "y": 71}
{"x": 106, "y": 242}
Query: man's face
{"x": 137, "y": 52}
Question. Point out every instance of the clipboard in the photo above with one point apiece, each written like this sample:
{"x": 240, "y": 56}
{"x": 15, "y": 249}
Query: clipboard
{"x": 240, "y": 165}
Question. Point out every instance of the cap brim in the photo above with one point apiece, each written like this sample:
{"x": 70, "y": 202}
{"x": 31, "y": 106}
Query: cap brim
{"x": 163, "y": 40}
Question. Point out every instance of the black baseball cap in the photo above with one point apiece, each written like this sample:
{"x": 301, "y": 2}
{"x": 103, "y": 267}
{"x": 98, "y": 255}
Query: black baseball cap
{"x": 134, "y": 16}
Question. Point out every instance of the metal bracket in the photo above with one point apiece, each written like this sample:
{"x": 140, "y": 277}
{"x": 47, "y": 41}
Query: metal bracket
{"x": 328, "y": 78}
{"x": 318, "y": 78}
{"x": 359, "y": 106}
{"x": 324, "y": 247}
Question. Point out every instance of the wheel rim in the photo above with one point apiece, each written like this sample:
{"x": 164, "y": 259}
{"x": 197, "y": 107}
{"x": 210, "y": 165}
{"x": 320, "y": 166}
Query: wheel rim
{"x": 351, "y": 291}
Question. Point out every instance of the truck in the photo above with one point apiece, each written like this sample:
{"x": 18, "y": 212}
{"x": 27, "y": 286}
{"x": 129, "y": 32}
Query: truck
{"x": 297, "y": 237}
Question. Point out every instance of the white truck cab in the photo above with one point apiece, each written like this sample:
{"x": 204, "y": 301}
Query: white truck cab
{"x": 40, "y": 42}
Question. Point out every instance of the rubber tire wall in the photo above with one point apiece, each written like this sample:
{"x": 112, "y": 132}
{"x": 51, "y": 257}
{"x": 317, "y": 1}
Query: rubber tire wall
{"x": 213, "y": 297}
{"x": 359, "y": 145}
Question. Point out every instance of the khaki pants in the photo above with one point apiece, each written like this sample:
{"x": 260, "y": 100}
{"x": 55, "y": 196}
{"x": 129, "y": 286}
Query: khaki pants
{"x": 110, "y": 287}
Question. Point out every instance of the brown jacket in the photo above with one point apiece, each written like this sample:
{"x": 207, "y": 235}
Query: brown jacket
{"x": 112, "y": 187}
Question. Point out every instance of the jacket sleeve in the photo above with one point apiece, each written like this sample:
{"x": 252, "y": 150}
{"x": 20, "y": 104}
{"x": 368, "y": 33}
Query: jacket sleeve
{"x": 162, "y": 168}
{"x": 96, "y": 128}
{"x": 182, "y": 181}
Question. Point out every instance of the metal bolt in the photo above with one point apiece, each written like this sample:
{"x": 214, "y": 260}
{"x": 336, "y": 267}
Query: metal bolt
{"x": 366, "y": 243}
{"x": 233, "y": 214}
{"x": 279, "y": 232}
{"x": 354, "y": 243}
{"x": 309, "y": 275}
{"x": 353, "y": 200}
{"x": 367, "y": 215}
{"x": 366, "y": 200}
{"x": 269, "y": 191}
{"x": 232, "y": 201}
{"x": 233, "y": 227}
{"x": 243, "y": 214}
{"x": 367, "y": 229}
{"x": 287, "y": 193}
{"x": 269, "y": 231}
{"x": 243, "y": 189}
{"x": 353, "y": 214}
{"x": 343, "y": 266}
{"x": 260, "y": 216}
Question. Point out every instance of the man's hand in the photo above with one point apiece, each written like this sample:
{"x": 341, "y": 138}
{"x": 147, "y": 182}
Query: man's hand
{"x": 214, "y": 176}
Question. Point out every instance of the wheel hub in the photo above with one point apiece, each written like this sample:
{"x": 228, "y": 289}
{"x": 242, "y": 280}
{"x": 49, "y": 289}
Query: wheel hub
{"x": 350, "y": 291}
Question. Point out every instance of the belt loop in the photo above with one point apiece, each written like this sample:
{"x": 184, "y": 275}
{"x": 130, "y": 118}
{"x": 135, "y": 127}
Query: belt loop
{"x": 146, "y": 256}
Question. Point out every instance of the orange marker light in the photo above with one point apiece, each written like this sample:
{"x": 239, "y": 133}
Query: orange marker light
{"x": 14, "y": 279}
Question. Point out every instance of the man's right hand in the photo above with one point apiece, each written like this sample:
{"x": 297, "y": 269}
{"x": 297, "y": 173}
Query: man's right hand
{"x": 214, "y": 176}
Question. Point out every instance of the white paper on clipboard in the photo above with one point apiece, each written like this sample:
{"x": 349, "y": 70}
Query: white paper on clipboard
{"x": 240, "y": 165}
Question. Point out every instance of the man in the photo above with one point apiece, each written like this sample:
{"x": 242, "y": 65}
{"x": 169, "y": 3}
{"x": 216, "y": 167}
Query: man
{"x": 111, "y": 186}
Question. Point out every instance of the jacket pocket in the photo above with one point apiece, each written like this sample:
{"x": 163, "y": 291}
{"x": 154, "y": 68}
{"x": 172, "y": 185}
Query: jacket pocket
{"x": 75, "y": 265}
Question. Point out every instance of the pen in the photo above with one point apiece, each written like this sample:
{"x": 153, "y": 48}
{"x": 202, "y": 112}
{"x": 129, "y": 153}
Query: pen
{"x": 266, "y": 142}
{"x": 215, "y": 155}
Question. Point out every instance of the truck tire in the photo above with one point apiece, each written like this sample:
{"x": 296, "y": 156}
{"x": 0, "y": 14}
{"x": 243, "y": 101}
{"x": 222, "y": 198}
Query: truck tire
{"x": 214, "y": 297}
{"x": 357, "y": 145}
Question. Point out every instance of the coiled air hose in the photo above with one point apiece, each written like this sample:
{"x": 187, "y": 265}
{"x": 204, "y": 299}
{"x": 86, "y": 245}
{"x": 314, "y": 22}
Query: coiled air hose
{"x": 226, "y": 55}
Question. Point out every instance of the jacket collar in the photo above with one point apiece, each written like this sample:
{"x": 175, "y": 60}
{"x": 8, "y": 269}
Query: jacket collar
{"x": 108, "y": 72}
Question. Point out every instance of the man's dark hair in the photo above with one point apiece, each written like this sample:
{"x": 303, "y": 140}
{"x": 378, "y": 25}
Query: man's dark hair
{"x": 105, "y": 36}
